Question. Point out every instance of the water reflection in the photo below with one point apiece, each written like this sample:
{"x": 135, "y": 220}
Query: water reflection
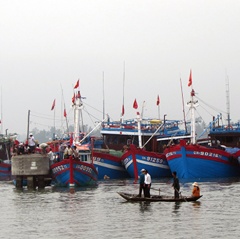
{"x": 176, "y": 207}
{"x": 144, "y": 206}
{"x": 196, "y": 204}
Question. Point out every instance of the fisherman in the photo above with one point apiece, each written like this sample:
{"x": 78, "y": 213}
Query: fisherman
{"x": 147, "y": 184}
{"x": 68, "y": 152}
{"x": 50, "y": 155}
{"x": 195, "y": 190}
{"x": 75, "y": 152}
{"x": 31, "y": 143}
{"x": 141, "y": 182}
{"x": 175, "y": 185}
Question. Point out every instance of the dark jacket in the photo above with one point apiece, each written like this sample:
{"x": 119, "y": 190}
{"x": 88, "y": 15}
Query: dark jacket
{"x": 176, "y": 183}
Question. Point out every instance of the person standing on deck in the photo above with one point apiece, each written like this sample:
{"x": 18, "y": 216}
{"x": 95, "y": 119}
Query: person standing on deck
{"x": 68, "y": 152}
{"x": 147, "y": 184}
{"x": 31, "y": 143}
{"x": 141, "y": 182}
{"x": 175, "y": 185}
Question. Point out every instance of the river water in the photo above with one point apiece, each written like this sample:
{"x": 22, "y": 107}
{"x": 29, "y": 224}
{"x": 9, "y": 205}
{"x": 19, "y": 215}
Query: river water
{"x": 99, "y": 212}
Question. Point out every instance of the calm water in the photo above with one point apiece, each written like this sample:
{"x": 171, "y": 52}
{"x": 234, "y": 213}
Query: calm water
{"x": 101, "y": 213}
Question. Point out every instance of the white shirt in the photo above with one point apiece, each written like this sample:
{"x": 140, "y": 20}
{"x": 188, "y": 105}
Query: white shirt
{"x": 147, "y": 179}
{"x": 50, "y": 155}
{"x": 31, "y": 141}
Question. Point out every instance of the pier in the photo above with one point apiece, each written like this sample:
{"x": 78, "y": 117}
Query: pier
{"x": 32, "y": 168}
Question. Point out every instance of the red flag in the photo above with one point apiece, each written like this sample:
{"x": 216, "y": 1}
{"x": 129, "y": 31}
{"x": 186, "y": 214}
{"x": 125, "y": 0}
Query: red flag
{"x": 71, "y": 139}
{"x": 77, "y": 85}
{"x": 123, "y": 110}
{"x": 53, "y": 105}
{"x": 78, "y": 94}
{"x": 190, "y": 79}
{"x": 135, "y": 104}
{"x": 65, "y": 113}
{"x": 158, "y": 100}
{"x": 73, "y": 98}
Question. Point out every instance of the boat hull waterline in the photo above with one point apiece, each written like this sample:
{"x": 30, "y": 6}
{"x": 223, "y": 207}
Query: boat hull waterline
{"x": 157, "y": 198}
{"x": 195, "y": 161}
{"x": 70, "y": 172}
{"x": 155, "y": 163}
{"x": 109, "y": 166}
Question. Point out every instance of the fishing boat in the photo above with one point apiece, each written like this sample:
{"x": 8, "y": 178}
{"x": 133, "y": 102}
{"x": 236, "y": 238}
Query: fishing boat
{"x": 135, "y": 140}
{"x": 76, "y": 172}
{"x": 192, "y": 160}
{"x": 157, "y": 198}
{"x": 226, "y": 134}
{"x": 6, "y": 145}
{"x": 108, "y": 163}
{"x": 128, "y": 137}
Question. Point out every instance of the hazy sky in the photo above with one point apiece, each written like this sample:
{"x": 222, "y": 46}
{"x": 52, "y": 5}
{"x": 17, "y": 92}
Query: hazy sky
{"x": 47, "y": 45}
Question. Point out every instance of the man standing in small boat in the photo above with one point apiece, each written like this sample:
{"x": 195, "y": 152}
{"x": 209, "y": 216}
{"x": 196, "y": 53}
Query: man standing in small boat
{"x": 141, "y": 182}
{"x": 175, "y": 185}
{"x": 147, "y": 184}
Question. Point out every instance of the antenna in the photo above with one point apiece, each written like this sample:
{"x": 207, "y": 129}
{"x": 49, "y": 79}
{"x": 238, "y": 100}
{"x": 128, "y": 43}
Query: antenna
{"x": 228, "y": 101}
{"x": 123, "y": 109}
{"x": 103, "y": 98}
{"x": 184, "y": 115}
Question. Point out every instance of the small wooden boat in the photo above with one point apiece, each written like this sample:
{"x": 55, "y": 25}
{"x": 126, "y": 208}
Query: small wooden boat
{"x": 157, "y": 198}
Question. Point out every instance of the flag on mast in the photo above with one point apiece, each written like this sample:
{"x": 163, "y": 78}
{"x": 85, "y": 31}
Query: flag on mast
{"x": 65, "y": 113}
{"x": 73, "y": 98}
{"x": 158, "y": 100}
{"x": 76, "y": 85}
{"x": 53, "y": 105}
{"x": 190, "y": 79}
{"x": 123, "y": 110}
{"x": 135, "y": 104}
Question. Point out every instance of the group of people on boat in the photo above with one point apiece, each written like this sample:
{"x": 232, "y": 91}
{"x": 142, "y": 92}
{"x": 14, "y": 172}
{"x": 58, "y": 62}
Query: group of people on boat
{"x": 71, "y": 151}
{"x": 30, "y": 146}
{"x": 145, "y": 185}
{"x": 176, "y": 187}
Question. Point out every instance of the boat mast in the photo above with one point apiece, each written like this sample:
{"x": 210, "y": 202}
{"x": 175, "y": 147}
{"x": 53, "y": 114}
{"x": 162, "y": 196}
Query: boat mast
{"x": 103, "y": 98}
{"x": 228, "y": 101}
{"x": 184, "y": 115}
{"x": 193, "y": 103}
{"x": 28, "y": 122}
{"x": 1, "y": 120}
{"x": 64, "y": 110}
{"x": 139, "y": 130}
{"x": 123, "y": 109}
{"x": 77, "y": 108}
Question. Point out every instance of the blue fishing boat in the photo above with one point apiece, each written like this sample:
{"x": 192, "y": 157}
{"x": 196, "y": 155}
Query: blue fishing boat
{"x": 191, "y": 160}
{"x": 6, "y": 144}
{"x": 74, "y": 172}
{"x": 109, "y": 164}
{"x": 155, "y": 163}
{"x": 71, "y": 172}
{"x": 227, "y": 134}
{"x": 136, "y": 142}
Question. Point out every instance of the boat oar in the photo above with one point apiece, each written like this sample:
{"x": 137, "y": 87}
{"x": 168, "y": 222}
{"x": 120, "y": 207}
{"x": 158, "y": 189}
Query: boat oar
{"x": 179, "y": 192}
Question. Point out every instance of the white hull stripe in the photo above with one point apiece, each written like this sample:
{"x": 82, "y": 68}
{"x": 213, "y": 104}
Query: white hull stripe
{"x": 109, "y": 166}
{"x": 147, "y": 163}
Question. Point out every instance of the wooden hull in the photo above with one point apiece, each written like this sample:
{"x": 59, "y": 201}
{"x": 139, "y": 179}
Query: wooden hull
{"x": 196, "y": 161}
{"x": 109, "y": 165}
{"x": 70, "y": 172}
{"x": 156, "y": 198}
